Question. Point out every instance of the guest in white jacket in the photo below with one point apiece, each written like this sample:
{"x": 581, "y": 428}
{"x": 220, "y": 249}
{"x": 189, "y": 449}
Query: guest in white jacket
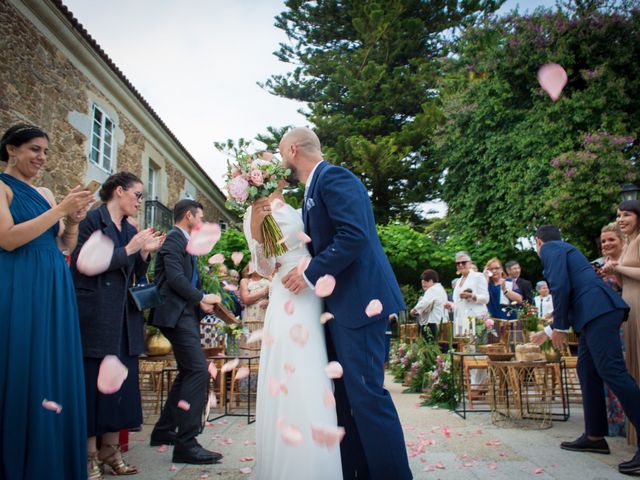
{"x": 430, "y": 308}
{"x": 543, "y": 301}
{"x": 470, "y": 296}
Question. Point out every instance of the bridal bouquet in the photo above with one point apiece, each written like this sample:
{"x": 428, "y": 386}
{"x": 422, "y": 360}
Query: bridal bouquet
{"x": 250, "y": 177}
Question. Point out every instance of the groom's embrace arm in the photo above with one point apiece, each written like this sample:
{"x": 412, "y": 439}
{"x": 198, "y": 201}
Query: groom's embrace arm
{"x": 347, "y": 206}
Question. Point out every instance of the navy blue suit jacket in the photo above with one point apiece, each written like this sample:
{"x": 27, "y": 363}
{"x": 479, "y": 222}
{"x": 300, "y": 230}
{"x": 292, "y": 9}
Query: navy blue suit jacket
{"x": 339, "y": 219}
{"x": 579, "y": 295}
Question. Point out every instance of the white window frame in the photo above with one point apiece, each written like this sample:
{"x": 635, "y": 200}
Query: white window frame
{"x": 152, "y": 182}
{"x": 102, "y": 155}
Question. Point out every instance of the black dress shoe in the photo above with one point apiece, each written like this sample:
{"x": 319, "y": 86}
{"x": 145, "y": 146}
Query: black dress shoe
{"x": 583, "y": 444}
{"x": 162, "y": 438}
{"x": 632, "y": 467}
{"x": 196, "y": 455}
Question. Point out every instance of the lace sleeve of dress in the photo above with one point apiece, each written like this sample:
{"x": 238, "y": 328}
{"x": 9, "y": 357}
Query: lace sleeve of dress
{"x": 261, "y": 264}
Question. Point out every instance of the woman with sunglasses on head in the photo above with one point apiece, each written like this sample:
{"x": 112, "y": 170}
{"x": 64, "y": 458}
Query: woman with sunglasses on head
{"x": 42, "y": 421}
{"x": 470, "y": 295}
{"x": 110, "y": 323}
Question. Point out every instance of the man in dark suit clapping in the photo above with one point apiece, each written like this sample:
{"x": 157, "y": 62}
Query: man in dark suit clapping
{"x": 178, "y": 281}
{"x": 581, "y": 300}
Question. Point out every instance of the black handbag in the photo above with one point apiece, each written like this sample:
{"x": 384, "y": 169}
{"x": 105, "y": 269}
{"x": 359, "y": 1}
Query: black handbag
{"x": 145, "y": 296}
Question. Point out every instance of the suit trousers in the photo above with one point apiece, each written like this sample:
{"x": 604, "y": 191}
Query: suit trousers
{"x": 600, "y": 360}
{"x": 373, "y": 446}
{"x": 190, "y": 384}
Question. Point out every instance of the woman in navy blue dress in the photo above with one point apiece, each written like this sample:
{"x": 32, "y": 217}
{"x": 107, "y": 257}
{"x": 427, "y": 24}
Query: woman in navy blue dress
{"x": 110, "y": 323}
{"x": 40, "y": 349}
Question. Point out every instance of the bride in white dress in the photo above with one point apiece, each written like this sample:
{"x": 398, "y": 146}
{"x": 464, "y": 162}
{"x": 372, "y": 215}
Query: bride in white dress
{"x": 294, "y": 391}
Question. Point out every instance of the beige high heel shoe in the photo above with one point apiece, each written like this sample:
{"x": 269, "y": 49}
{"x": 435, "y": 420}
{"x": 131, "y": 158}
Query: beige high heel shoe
{"x": 94, "y": 467}
{"x": 115, "y": 461}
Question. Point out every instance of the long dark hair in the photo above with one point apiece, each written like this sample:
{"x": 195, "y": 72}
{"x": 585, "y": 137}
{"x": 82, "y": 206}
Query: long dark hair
{"x": 17, "y": 135}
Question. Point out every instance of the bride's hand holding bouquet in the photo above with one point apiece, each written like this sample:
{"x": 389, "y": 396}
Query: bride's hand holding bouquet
{"x": 250, "y": 182}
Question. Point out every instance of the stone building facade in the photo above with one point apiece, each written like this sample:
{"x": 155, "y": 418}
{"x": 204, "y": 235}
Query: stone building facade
{"x": 54, "y": 75}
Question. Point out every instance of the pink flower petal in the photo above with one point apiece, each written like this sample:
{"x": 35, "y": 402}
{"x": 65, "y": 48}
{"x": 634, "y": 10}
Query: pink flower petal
{"x": 247, "y": 459}
{"x": 552, "y": 79}
{"x": 274, "y": 386}
{"x": 328, "y": 398}
{"x": 325, "y": 286}
{"x": 333, "y": 370}
{"x": 277, "y": 204}
{"x": 255, "y": 336}
{"x": 173, "y": 468}
{"x": 236, "y": 257}
{"x": 162, "y": 448}
{"x": 95, "y": 255}
{"x": 245, "y": 470}
{"x": 204, "y": 475}
{"x": 303, "y": 237}
{"x": 280, "y": 423}
{"x": 230, "y": 365}
{"x": 184, "y": 405}
{"x": 213, "y": 370}
{"x": 203, "y": 238}
{"x": 538, "y": 471}
{"x": 283, "y": 388}
{"x": 299, "y": 334}
{"x": 303, "y": 263}
{"x": 292, "y": 436}
{"x": 217, "y": 259}
{"x": 446, "y": 432}
{"x": 241, "y": 373}
{"x": 289, "y": 368}
{"x": 374, "y": 308}
{"x": 440, "y": 466}
{"x": 51, "y": 405}
{"x": 289, "y": 307}
{"x": 111, "y": 375}
{"x": 326, "y": 435}
{"x": 492, "y": 466}
{"x": 325, "y": 317}
{"x": 467, "y": 464}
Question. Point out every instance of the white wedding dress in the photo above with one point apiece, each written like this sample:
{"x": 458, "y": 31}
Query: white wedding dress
{"x": 292, "y": 382}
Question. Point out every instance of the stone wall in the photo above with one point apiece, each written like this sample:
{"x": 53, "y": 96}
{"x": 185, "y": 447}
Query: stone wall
{"x": 41, "y": 86}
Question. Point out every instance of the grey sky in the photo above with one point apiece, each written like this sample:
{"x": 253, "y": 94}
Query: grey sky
{"x": 197, "y": 63}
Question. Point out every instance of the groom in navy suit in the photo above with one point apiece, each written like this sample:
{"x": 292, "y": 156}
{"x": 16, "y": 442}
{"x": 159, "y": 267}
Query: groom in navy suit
{"x": 339, "y": 219}
{"x": 582, "y": 301}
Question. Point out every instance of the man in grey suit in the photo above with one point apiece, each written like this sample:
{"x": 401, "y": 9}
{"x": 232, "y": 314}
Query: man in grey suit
{"x": 178, "y": 281}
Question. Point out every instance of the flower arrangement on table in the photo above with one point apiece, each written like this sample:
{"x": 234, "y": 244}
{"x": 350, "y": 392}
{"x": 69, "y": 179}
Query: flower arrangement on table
{"x": 442, "y": 387}
{"x": 484, "y": 330}
{"x": 250, "y": 177}
{"x": 528, "y": 315}
{"x": 232, "y": 333}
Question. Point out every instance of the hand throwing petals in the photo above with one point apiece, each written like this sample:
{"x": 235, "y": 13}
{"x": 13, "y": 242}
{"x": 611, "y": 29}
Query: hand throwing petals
{"x": 374, "y": 308}
{"x": 216, "y": 259}
{"x": 242, "y": 372}
{"x": 325, "y": 317}
{"x": 552, "y": 78}
{"x": 289, "y": 307}
{"x": 292, "y": 436}
{"x": 51, "y": 405}
{"x": 95, "y": 255}
{"x": 303, "y": 237}
{"x": 299, "y": 334}
{"x": 111, "y": 375}
{"x": 333, "y": 370}
{"x": 325, "y": 286}
{"x": 203, "y": 238}
{"x": 236, "y": 257}
{"x": 230, "y": 365}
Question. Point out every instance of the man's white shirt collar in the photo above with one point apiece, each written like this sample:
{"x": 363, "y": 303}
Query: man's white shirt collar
{"x": 310, "y": 178}
{"x": 186, "y": 234}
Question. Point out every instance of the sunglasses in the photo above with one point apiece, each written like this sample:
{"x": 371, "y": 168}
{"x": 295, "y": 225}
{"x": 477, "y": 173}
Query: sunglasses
{"x": 139, "y": 195}
{"x": 464, "y": 262}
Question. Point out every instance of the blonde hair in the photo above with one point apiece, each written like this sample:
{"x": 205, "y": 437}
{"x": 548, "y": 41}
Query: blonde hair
{"x": 613, "y": 227}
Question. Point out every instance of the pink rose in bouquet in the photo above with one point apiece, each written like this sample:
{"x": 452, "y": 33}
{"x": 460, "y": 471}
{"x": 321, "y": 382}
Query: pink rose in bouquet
{"x": 488, "y": 323}
{"x": 239, "y": 189}
{"x": 256, "y": 178}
